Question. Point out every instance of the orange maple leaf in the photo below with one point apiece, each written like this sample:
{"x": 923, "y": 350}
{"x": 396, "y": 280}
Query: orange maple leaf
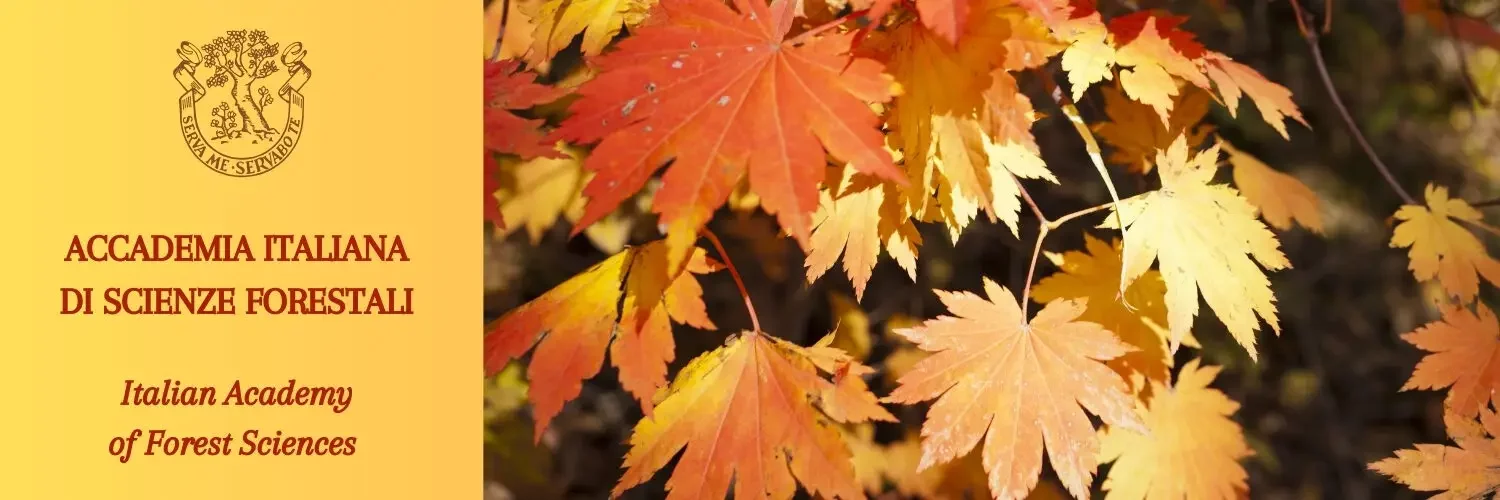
{"x": 1136, "y": 134}
{"x": 724, "y": 94}
{"x": 1280, "y": 197}
{"x": 507, "y": 89}
{"x": 1138, "y": 318}
{"x": 1020, "y": 384}
{"x": 750, "y": 412}
{"x": 1470, "y": 470}
{"x": 624, "y": 303}
{"x": 1193, "y": 450}
{"x": 946, "y": 18}
{"x": 1441, "y": 248}
{"x": 856, "y": 218}
{"x": 1465, "y": 358}
{"x": 1273, "y": 101}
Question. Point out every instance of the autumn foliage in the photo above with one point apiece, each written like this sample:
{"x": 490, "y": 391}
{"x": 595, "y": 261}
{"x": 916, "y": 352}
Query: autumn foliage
{"x": 853, "y": 122}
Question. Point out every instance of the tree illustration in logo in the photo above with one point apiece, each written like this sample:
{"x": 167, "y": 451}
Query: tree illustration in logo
{"x": 239, "y": 60}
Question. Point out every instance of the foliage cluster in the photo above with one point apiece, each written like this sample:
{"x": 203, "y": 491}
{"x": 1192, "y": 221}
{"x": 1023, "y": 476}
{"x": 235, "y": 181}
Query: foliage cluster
{"x": 853, "y": 122}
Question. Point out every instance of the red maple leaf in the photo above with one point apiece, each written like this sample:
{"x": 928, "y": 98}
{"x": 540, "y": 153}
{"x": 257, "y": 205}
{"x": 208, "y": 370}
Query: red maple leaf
{"x": 507, "y": 89}
{"x": 723, "y": 94}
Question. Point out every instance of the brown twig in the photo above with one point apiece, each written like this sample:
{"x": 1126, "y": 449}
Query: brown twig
{"x": 744, "y": 292}
{"x": 1312, "y": 44}
{"x": 1042, "y": 230}
{"x": 1460, "y": 48}
{"x": 500, "y": 38}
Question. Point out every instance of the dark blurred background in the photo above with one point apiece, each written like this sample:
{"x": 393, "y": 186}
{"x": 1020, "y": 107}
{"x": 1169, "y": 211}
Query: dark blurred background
{"x": 1324, "y": 399}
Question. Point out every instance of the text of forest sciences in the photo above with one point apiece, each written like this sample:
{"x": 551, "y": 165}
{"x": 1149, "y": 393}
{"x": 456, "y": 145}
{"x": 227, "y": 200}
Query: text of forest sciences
{"x": 250, "y": 442}
{"x": 210, "y": 300}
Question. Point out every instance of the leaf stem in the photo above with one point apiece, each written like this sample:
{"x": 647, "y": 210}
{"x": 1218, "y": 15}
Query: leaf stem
{"x": 1041, "y": 235}
{"x": 1311, "y": 37}
{"x": 740, "y": 282}
{"x": 1081, "y": 213}
{"x": 1030, "y": 202}
{"x": 807, "y": 35}
{"x": 1044, "y": 228}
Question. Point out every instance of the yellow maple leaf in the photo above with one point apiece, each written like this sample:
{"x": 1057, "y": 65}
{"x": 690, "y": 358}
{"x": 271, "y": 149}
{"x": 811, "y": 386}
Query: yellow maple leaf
{"x": 856, "y": 217}
{"x": 747, "y": 412}
{"x": 1149, "y": 62}
{"x": 1205, "y": 237}
{"x": 1468, "y": 471}
{"x": 962, "y": 123}
{"x": 1441, "y": 247}
{"x": 1281, "y": 198}
{"x": 1094, "y": 275}
{"x": 1090, "y": 55}
{"x": 532, "y": 195}
{"x": 1192, "y": 451}
{"x": 852, "y": 329}
{"x": 1136, "y": 134}
{"x": 558, "y": 21}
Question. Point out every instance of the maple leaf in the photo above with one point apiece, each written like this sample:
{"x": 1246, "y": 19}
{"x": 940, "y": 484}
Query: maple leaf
{"x": 1442, "y": 248}
{"x": 533, "y": 194}
{"x": 1030, "y": 45}
{"x": 1193, "y": 450}
{"x": 1470, "y": 470}
{"x": 1137, "y": 134}
{"x": 507, "y": 89}
{"x": 1280, "y": 198}
{"x": 723, "y": 94}
{"x": 1154, "y": 51}
{"x": 1094, "y": 274}
{"x": 557, "y": 22}
{"x": 857, "y": 217}
{"x": 750, "y": 412}
{"x": 963, "y": 126}
{"x": 1273, "y": 101}
{"x": 1018, "y": 385}
{"x": 1090, "y": 54}
{"x": 1205, "y": 236}
{"x": 623, "y": 303}
{"x": 1465, "y": 358}
{"x": 538, "y": 191}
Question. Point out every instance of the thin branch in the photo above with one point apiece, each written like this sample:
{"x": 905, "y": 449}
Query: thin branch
{"x": 500, "y": 38}
{"x": 1043, "y": 229}
{"x": 1031, "y": 272}
{"x": 744, "y": 292}
{"x": 1486, "y": 203}
{"x": 1461, "y": 49}
{"x": 1312, "y": 45}
{"x": 1030, "y": 202}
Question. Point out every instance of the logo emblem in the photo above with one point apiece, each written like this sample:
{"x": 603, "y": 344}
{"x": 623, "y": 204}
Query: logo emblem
{"x": 241, "y": 110}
